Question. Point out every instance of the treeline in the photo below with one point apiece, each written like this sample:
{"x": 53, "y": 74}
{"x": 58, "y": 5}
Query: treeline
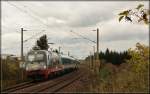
{"x": 132, "y": 76}
{"x": 113, "y": 57}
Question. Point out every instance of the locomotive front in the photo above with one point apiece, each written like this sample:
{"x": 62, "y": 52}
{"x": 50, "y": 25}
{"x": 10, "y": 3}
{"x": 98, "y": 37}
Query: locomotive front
{"x": 36, "y": 64}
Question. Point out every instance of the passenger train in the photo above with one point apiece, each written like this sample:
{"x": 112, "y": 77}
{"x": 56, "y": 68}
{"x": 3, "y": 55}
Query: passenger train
{"x": 42, "y": 64}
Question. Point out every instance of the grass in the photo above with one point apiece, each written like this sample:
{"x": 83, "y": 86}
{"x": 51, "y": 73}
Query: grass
{"x": 11, "y": 73}
{"x": 123, "y": 80}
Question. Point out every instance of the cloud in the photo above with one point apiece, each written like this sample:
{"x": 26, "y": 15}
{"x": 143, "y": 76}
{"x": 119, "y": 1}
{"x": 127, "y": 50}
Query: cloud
{"x": 58, "y": 18}
{"x": 123, "y": 31}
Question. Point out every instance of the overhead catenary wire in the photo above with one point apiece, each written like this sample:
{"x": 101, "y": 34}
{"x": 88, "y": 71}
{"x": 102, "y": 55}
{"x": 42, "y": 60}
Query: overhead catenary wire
{"x": 83, "y": 36}
{"x": 32, "y": 37}
{"x": 71, "y": 33}
{"x": 36, "y": 18}
{"x": 26, "y": 12}
{"x": 3, "y": 26}
{"x": 31, "y": 10}
{"x": 12, "y": 48}
{"x": 17, "y": 45}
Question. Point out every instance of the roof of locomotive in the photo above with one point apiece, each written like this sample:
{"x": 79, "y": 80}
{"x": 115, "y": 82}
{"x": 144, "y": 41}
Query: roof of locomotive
{"x": 37, "y": 51}
{"x": 41, "y": 51}
{"x": 66, "y": 56}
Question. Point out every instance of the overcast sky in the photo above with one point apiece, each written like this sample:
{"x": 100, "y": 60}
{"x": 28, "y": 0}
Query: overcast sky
{"x": 59, "y": 18}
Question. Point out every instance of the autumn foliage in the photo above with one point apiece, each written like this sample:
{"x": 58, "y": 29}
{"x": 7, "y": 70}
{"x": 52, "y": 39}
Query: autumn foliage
{"x": 132, "y": 76}
{"x": 139, "y": 14}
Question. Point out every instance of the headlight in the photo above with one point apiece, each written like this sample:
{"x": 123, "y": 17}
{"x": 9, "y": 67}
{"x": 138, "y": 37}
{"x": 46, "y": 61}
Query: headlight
{"x": 27, "y": 68}
{"x": 31, "y": 57}
{"x": 44, "y": 66}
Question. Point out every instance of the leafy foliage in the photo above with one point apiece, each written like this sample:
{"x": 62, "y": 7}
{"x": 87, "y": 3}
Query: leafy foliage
{"x": 104, "y": 74}
{"x": 41, "y": 44}
{"x": 140, "y": 58}
{"x": 130, "y": 77}
{"x": 140, "y": 13}
{"x": 124, "y": 13}
{"x": 120, "y": 18}
{"x": 140, "y": 6}
{"x": 11, "y": 72}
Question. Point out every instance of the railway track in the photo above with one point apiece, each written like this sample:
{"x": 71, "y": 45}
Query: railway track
{"x": 19, "y": 86}
{"x": 60, "y": 84}
{"x": 53, "y": 85}
{"x": 65, "y": 84}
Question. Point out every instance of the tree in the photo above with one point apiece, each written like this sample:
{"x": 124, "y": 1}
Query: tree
{"x": 140, "y": 13}
{"x": 107, "y": 55}
{"x": 140, "y": 56}
{"x": 42, "y": 43}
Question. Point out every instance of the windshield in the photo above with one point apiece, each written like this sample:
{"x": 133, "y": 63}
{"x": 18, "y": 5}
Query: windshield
{"x": 36, "y": 56}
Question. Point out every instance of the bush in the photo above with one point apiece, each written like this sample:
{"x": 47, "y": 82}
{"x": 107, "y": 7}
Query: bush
{"x": 132, "y": 76}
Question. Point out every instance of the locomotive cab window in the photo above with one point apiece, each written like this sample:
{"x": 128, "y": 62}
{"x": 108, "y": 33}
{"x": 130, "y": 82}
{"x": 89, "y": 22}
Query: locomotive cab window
{"x": 36, "y": 57}
{"x": 40, "y": 57}
{"x": 31, "y": 57}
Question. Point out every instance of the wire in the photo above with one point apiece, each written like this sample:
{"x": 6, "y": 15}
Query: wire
{"x": 10, "y": 29}
{"x": 23, "y": 42}
{"x": 11, "y": 47}
{"x": 83, "y": 36}
{"x": 32, "y": 36}
{"x": 24, "y": 11}
{"x": 31, "y": 10}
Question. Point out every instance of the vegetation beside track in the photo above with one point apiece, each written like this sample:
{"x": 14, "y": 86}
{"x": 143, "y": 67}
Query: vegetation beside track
{"x": 131, "y": 76}
{"x": 11, "y": 73}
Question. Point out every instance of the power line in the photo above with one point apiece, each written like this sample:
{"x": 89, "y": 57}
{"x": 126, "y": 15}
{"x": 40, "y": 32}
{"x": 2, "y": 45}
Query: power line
{"x": 31, "y": 10}
{"x": 23, "y": 42}
{"x": 83, "y": 36}
{"x": 24, "y": 11}
{"x": 33, "y": 36}
{"x": 12, "y": 48}
{"x": 10, "y": 29}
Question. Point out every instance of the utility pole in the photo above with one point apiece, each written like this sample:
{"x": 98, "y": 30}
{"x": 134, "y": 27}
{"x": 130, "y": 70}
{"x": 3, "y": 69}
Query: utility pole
{"x": 93, "y": 56}
{"x": 94, "y": 52}
{"x": 22, "y": 43}
{"x": 22, "y": 58}
{"x": 90, "y": 59}
{"x": 97, "y": 53}
{"x": 97, "y": 57}
{"x": 97, "y": 43}
{"x": 98, "y": 61}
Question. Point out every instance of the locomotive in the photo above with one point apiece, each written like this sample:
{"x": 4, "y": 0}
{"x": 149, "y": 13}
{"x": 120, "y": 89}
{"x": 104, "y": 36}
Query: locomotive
{"x": 42, "y": 64}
